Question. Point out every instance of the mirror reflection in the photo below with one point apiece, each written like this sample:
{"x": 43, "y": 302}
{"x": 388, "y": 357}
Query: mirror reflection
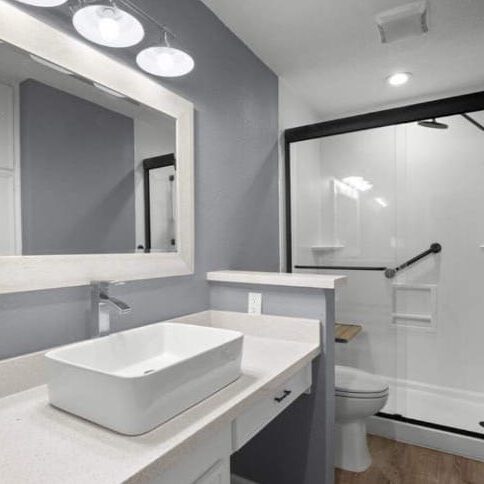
{"x": 83, "y": 169}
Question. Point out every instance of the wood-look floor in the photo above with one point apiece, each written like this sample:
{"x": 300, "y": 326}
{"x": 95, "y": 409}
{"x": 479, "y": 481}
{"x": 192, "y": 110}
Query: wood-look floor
{"x": 397, "y": 463}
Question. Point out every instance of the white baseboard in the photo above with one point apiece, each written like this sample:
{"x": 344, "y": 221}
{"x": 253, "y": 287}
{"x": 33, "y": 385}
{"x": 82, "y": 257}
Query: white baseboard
{"x": 472, "y": 448}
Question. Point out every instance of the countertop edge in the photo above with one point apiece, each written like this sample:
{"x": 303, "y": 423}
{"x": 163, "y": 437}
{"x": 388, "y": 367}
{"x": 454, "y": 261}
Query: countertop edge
{"x": 222, "y": 414}
{"x": 310, "y": 281}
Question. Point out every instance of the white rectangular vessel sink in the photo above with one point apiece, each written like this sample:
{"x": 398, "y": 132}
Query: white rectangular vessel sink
{"x": 135, "y": 380}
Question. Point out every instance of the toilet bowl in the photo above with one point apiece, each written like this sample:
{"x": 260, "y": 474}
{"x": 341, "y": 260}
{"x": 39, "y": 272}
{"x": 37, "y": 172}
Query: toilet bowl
{"x": 358, "y": 396}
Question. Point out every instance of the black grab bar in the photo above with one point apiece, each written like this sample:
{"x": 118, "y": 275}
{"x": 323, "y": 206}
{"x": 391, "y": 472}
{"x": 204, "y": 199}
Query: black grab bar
{"x": 434, "y": 248}
{"x": 390, "y": 273}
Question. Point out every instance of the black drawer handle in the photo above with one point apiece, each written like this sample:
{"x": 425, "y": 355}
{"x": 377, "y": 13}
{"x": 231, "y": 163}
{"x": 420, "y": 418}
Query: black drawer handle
{"x": 284, "y": 395}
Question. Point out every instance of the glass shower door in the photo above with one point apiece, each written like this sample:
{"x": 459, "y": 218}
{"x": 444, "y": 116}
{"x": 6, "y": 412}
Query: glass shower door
{"x": 344, "y": 221}
{"x": 373, "y": 199}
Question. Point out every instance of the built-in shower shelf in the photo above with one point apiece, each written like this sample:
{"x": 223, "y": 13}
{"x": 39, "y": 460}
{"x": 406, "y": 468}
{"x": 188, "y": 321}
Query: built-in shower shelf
{"x": 346, "y": 332}
{"x": 327, "y": 247}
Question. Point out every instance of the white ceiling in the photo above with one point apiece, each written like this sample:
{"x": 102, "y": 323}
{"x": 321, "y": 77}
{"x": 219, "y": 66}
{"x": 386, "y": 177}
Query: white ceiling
{"x": 329, "y": 51}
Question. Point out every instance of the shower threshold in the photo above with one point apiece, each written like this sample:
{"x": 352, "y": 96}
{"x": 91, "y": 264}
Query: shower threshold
{"x": 431, "y": 425}
{"x": 439, "y": 408}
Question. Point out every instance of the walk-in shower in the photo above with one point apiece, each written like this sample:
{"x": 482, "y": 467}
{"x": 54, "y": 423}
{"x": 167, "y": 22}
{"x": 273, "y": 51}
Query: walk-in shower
{"x": 399, "y": 209}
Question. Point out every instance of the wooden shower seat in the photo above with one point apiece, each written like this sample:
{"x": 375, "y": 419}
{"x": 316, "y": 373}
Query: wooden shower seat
{"x": 346, "y": 332}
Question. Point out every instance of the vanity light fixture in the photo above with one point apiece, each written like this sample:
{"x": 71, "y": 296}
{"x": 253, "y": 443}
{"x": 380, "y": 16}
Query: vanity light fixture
{"x": 399, "y": 78}
{"x": 165, "y": 60}
{"x": 51, "y": 65}
{"x": 43, "y": 3}
{"x": 108, "y": 25}
{"x": 112, "y": 92}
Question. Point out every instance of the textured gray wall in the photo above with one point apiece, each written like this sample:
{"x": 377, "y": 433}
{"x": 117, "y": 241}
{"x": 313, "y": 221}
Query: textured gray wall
{"x": 77, "y": 174}
{"x": 236, "y": 202}
{"x": 297, "y": 447}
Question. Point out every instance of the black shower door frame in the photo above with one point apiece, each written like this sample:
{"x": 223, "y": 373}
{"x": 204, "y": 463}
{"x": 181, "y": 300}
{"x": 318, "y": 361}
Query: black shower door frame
{"x": 406, "y": 114}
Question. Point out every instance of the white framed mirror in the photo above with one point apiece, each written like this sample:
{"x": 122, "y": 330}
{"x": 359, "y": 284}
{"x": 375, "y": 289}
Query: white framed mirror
{"x": 77, "y": 130}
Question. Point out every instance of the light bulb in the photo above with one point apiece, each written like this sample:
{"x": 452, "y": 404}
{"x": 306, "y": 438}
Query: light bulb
{"x": 109, "y": 28}
{"x": 165, "y": 61}
{"x": 108, "y": 25}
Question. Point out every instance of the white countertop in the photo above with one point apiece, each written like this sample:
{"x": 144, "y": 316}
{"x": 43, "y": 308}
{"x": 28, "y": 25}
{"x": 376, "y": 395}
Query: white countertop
{"x": 293, "y": 279}
{"x": 40, "y": 444}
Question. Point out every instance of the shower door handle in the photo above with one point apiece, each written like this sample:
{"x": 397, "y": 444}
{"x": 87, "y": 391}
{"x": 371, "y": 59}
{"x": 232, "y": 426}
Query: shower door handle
{"x": 434, "y": 248}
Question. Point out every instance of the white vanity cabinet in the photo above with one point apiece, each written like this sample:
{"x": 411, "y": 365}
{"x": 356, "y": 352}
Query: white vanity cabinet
{"x": 255, "y": 418}
{"x": 193, "y": 447}
{"x": 209, "y": 463}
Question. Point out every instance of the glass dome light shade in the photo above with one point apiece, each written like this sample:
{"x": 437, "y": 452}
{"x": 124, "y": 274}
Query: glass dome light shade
{"x": 108, "y": 25}
{"x": 165, "y": 61}
{"x": 43, "y": 3}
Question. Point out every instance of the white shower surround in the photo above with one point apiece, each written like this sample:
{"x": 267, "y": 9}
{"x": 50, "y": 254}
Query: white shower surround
{"x": 438, "y": 358}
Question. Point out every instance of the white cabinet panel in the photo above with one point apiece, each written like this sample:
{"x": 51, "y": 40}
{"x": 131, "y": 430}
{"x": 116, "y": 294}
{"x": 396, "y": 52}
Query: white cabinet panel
{"x": 7, "y": 213}
{"x": 253, "y": 420}
{"x": 208, "y": 462}
{"x": 218, "y": 474}
{"x": 6, "y": 127}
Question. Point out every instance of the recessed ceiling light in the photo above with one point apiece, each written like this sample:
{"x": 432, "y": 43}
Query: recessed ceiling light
{"x": 108, "y": 25}
{"x": 47, "y": 63}
{"x": 399, "y": 78}
{"x": 43, "y": 3}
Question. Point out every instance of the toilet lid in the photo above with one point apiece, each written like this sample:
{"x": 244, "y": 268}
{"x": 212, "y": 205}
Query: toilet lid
{"x": 352, "y": 380}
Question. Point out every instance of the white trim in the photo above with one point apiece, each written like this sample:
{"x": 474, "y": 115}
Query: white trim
{"x": 18, "y": 273}
{"x": 9, "y": 177}
{"x": 17, "y": 169}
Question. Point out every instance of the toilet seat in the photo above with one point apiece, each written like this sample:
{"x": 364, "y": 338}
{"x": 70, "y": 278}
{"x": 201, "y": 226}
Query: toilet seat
{"x": 361, "y": 395}
{"x": 355, "y": 383}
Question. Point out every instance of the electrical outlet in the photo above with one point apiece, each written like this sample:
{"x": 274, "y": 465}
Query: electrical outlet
{"x": 255, "y": 303}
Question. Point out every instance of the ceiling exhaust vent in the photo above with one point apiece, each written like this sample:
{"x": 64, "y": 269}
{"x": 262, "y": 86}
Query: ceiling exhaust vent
{"x": 409, "y": 20}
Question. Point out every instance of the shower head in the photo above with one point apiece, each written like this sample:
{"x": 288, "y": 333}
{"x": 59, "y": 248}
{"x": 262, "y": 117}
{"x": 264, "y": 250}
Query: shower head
{"x": 434, "y": 124}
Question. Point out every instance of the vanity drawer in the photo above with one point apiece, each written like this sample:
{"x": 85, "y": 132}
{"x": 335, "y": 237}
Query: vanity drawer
{"x": 253, "y": 420}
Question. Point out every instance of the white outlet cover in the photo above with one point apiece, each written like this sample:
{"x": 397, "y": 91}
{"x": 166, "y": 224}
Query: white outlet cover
{"x": 255, "y": 303}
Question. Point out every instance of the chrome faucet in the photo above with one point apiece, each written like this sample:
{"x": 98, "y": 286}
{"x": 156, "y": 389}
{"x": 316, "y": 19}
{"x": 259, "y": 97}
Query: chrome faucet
{"x": 101, "y": 304}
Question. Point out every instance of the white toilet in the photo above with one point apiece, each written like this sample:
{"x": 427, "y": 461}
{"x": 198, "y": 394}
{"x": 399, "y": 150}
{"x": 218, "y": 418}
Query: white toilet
{"x": 358, "y": 396}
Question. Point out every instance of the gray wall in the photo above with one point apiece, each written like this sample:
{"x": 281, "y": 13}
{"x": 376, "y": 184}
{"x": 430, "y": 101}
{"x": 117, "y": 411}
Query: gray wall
{"x": 236, "y": 207}
{"x": 297, "y": 447}
{"x": 77, "y": 174}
